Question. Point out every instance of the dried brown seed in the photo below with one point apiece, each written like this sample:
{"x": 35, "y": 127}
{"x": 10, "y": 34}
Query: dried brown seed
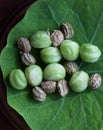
{"x": 24, "y": 45}
{"x": 67, "y": 30}
{"x": 62, "y": 87}
{"x": 27, "y": 59}
{"x": 95, "y": 81}
{"x": 57, "y": 37}
{"x": 38, "y": 94}
{"x": 71, "y": 67}
{"x": 49, "y": 86}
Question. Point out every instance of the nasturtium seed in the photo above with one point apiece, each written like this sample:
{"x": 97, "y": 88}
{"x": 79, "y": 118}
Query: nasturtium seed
{"x": 67, "y": 30}
{"x": 34, "y": 75}
{"x": 40, "y": 39}
{"x": 71, "y": 67}
{"x": 95, "y": 81}
{"x": 17, "y": 79}
{"x": 54, "y": 72}
{"x": 89, "y": 53}
{"x": 50, "y": 55}
{"x": 38, "y": 94}
{"x": 69, "y": 50}
{"x": 79, "y": 81}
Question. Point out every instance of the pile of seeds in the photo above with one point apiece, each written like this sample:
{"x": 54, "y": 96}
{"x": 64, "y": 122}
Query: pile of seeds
{"x": 54, "y": 47}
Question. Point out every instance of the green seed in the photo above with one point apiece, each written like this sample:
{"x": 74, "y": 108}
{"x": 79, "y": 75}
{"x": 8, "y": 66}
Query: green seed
{"x": 89, "y": 53}
{"x": 40, "y": 39}
{"x": 34, "y": 75}
{"x": 54, "y": 72}
{"x": 50, "y": 55}
{"x": 69, "y": 50}
{"x": 17, "y": 79}
{"x": 79, "y": 81}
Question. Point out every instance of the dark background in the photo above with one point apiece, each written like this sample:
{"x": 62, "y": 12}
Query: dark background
{"x": 8, "y": 9}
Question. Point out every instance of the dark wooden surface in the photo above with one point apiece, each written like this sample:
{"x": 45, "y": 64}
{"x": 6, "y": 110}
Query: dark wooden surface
{"x": 8, "y": 10}
{"x": 5, "y": 124}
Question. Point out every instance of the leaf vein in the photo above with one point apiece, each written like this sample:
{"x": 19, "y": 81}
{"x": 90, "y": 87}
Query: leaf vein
{"x": 18, "y": 94}
{"x": 55, "y": 114}
{"x": 76, "y": 114}
{"x": 84, "y": 113}
{"x": 53, "y": 15}
{"x": 82, "y": 28}
{"x": 98, "y": 25}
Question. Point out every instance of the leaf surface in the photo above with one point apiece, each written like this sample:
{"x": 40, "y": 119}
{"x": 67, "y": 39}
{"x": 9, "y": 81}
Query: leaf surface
{"x": 76, "y": 111}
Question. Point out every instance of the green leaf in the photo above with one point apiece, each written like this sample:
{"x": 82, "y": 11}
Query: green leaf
{"x": 76, "y": 111}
